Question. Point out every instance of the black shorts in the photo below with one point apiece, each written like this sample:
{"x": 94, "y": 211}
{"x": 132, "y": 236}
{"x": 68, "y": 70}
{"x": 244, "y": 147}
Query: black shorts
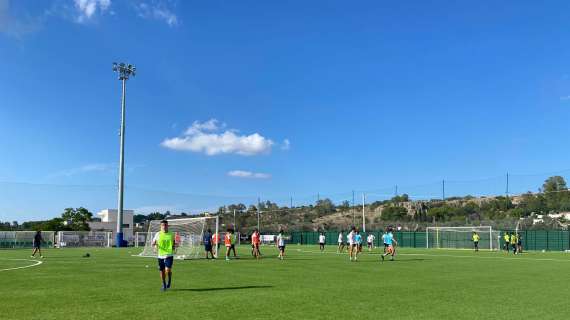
{"x": 282, "y": 248}
{"x": 233, "y": 246}
{"x": 386, "y": 245}
{"x": 37, "y": 246}
{"x": 476, "y": 243}
{"x": 369, "y": 243}
{"x": 165, "y": 263}
{"x": 321, "y": 244}
{"x": 208, "y": 247}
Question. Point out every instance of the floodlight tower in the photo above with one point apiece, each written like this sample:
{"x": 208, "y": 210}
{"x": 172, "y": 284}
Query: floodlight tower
{"x": 124, "y": 71}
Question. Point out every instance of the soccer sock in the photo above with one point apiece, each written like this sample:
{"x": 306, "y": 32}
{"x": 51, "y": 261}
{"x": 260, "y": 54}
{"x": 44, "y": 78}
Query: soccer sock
{"x": 169, "y": 279}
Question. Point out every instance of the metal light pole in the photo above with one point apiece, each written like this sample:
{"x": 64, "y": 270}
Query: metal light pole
{"x": 124, "y": 71}
{"x": 363, "y": 216}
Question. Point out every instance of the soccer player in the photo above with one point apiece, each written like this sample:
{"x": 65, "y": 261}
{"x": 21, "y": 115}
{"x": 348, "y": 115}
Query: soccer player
{"x": 281, "y": 244}
{"x": 216, "y": 241}
{"x": 233, "y": 239}
{"x": 507, "y": 239}
{"x": 514, "y": 241}
{"x": 164, "y": 243}
{"x": 322, "y": 240}
{"x": 519, "y": 244}
{"x": 207, "y": 241}
{"x": 340, "y": 242}
{"x": 384, "y": 235}
{"x": 228, "y": 243}
{"x": 357, "y": 244}
{"x": 370, "y": 241}
{"x": 38, "y": 244}
{"x": 350, "y": 241}
{"x": 255, "y": 241}
{"x": 476, "y": 239}
{"x": 388, "y": 239}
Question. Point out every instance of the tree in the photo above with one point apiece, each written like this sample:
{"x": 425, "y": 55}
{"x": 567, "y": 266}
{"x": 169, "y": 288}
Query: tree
{"x": 252, "y": 209}
{"x": 324, "y": 206}
{"x": 394, "y": 213}
{"x": 402, "y": 198}
{"x": 55, "y": 224}
{"x": 77, "y": 218}
{"x": 156, "y": 216}
{"x": 345, "y": 205}
{"x": 138, "y": 218}
{"x": 554, "y": 184}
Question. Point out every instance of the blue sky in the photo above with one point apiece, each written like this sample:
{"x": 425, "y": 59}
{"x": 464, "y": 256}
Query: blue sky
{"x": 236, "y": 100}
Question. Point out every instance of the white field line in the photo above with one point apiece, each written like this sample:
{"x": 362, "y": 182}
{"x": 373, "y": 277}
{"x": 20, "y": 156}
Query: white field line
{"x": 36, "y": 263}
{"x": 446, "y": 255}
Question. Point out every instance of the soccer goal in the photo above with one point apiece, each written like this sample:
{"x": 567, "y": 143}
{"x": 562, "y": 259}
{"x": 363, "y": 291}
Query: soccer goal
{"x": 188, "y": 234}
{"x": 73, "y": 239}
{"x": 461, "y": 237}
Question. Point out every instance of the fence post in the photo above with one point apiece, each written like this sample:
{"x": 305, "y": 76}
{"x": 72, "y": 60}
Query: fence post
{"x": 547, "y": 240}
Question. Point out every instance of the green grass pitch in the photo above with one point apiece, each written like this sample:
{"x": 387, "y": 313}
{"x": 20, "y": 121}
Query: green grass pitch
{"x": 420, "y": 284}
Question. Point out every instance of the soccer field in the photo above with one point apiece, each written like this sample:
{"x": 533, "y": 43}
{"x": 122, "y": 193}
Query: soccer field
{"x": 420, "y": 284}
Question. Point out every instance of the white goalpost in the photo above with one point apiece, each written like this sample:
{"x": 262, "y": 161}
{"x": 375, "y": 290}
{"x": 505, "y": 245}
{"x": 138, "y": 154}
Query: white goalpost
{"x": 461, "y": 237}
{"x": 188, "y": 234}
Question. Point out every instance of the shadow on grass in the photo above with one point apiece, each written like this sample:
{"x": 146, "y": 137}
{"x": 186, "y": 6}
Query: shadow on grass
{"x": 221, "y": 288}
{"x": 393, "y": 261}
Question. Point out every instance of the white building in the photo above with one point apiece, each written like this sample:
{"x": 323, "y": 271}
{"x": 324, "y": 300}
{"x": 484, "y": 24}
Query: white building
{"x": 109, "y": 222}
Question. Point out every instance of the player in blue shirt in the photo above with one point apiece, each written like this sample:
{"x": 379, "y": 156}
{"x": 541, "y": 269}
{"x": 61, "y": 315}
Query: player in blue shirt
{"x": 207, "y": 241}
{"x": 357, "y": 244}
{"x": 389, "y": 240}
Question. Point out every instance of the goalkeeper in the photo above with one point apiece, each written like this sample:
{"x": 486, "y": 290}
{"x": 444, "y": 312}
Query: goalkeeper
{"x": 476, "y": 239}
{"x": 164, "y": 242}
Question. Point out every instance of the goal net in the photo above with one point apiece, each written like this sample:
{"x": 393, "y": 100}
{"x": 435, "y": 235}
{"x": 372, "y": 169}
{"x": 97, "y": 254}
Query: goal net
{"x": 461, "y": 237}
{"x": 188, "y": 232}
{"x": 84, "y": 239}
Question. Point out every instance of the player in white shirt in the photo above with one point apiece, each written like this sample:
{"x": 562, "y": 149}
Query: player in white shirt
{"x": 322, "y": 240}
{"x": 340, "y": 242}
{"x": 281, "y": 244}
{"x": 352, "y": 248}
{"x": 370, "y": 240}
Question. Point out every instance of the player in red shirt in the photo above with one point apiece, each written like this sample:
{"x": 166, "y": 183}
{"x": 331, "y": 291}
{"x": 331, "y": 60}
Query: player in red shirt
{"x": 255, "y": 241}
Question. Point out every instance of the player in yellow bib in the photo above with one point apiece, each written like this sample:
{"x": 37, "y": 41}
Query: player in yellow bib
{"x": 164, "y": 243}
{"x": 507, "y": 239}
{"x": 514, "y": 240}
{"x": 476, "y": 239}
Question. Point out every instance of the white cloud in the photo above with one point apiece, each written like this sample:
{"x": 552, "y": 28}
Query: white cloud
{"x": 565, "y": 98}
{"x": 248, "y": 174}
{"x": 155, "y": 208}
{"x": 205, "y": 137}
{"x": 86, "y": 9}
{"x": 94, "y": 167}
{"x": 14, "y": 26}
{"x": 286, "y": 145}
{"x": 158, "y": 10}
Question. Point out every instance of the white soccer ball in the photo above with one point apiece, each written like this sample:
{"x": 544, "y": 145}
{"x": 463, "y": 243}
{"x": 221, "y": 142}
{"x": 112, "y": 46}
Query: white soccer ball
{"x": 543, "y": 251}
{"x": 146, "y": 266}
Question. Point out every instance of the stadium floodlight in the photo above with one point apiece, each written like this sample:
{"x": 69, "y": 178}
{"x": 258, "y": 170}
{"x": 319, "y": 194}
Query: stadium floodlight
{"x": 124, "y": 71}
